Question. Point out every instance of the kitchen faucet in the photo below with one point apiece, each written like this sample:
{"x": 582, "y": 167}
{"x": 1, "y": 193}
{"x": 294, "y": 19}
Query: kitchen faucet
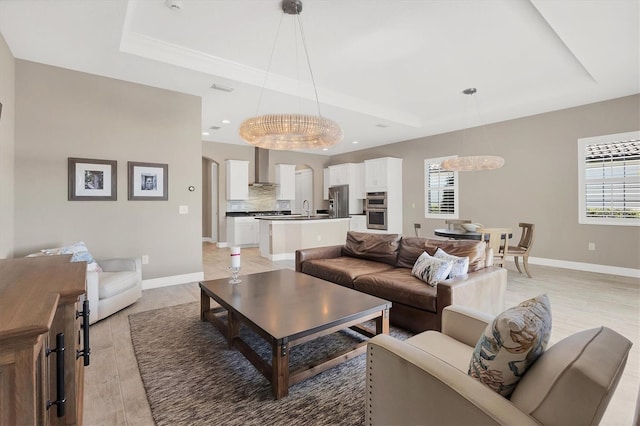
{"x": 307, "y": 209}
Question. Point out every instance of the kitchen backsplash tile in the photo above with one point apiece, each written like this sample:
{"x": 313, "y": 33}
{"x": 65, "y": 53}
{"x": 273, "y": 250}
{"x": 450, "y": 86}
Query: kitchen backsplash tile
{"x": 261, "y": 198}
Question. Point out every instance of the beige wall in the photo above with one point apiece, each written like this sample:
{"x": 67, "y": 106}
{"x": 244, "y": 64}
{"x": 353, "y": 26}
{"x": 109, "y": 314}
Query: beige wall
{"x": 219, "y": 152}
{"x": 538, "y": 184}
{"x": 62, "y": 113}
{"x": 7, "y": 138}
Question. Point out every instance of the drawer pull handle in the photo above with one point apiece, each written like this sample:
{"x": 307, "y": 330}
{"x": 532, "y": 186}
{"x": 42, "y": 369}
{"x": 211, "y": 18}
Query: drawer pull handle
{"x": 60, "y": 397}
{"x": 86, "y": 351}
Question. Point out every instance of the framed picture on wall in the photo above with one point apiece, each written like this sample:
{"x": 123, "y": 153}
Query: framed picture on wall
{"x": 148, "y": 181}
{"x": 92, "y": 180}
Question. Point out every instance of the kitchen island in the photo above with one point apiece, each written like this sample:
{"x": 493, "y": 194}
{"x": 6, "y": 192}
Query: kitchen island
{"x": 281, "y": 236}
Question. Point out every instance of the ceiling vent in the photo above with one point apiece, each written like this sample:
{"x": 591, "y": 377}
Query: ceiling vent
{"x": 214, "y": 128}
{"x": 384, "y": 126}
{"x": 222, "y": 88}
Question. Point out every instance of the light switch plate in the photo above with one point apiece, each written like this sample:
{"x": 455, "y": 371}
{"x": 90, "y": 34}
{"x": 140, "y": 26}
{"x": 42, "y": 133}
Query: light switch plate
{"x": 183, "y": 210}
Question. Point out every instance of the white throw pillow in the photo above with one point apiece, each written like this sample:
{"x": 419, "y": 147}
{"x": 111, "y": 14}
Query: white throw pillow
{"x": 511, "y": 344}
{"x": 460, "y": 264}
{"x": 431, "y": 270}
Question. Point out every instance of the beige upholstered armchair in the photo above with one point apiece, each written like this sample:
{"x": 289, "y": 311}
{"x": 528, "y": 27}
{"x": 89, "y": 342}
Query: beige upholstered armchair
{"x": 116, "y": 287}
{"x": 424, "y": 380}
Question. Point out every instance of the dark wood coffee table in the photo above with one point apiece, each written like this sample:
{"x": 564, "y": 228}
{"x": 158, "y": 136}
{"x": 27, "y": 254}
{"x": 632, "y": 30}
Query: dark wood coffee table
{"x": 287, "y": 308}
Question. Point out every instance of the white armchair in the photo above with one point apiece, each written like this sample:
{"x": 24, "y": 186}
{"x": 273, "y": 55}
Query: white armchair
{"x": 424, "y": 380}
{"x": 116, "y": 287}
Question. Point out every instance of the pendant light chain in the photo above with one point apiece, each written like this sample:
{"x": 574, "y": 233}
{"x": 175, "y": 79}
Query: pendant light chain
{"x": 306, "y": 53}
{"x": 266, "y": 74}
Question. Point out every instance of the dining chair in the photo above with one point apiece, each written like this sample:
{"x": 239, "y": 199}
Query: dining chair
{"x": 498, "y": 240}
{"x": 524, "y": 247}
{"x": 456, "y": 223}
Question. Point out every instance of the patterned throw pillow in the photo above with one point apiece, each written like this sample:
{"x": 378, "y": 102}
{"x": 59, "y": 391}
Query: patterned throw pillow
{"x": 81, "y": 253}
{"x": 460, "y": 264}
{"x": 431, "y": 270}
{"x": 511, "y": 344}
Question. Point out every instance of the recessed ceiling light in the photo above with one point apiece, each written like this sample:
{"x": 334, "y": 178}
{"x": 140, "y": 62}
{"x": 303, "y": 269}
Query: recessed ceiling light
{"x": 225, "y": 122}
{"x": 174, "y": 4}
{"x": 205, "y": 133}
{"x": 354, "y": 142}
{"x": 325, "y": 149}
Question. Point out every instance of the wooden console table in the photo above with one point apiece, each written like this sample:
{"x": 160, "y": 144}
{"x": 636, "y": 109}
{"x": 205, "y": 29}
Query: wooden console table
{"x": 42, "y": 342}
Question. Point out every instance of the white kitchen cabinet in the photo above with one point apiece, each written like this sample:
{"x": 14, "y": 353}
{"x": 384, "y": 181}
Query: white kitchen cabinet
{"x": 243, "y": 231}
{"x": 381, "y": 173}
{"x": 286, "y": 181}
{"x": 325, "y": 183}
{"x": 339, "y": 174}
{"x": 237, "y": 179}
{"x": 360, "y": 188}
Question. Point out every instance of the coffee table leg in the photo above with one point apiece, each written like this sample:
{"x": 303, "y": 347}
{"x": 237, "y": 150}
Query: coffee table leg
{"x": 205, "y": 305}
{"x": 233, "y": 328}
{"x": 280, "y": 369}
{"x": 382, "y": 323}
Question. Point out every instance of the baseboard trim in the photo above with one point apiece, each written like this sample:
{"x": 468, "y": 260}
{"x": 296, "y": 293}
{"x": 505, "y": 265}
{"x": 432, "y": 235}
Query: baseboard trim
{"x": 222, "y": 244}
{"x": 587, "y": 267}
{"x": 172, "y": 280}
{"x": 282, "y": 256}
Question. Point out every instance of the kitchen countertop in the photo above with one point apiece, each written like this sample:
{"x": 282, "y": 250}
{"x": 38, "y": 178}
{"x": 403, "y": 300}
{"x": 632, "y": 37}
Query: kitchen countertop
{"x": 299, "y": 217}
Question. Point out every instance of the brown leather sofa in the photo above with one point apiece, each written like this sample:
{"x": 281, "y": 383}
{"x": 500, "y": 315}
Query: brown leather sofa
{"x": 380, "y": 265}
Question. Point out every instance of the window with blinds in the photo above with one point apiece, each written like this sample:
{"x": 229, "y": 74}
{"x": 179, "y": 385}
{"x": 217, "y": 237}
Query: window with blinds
{"x": 441, "y": 190}
{"x": 609, "y": 179}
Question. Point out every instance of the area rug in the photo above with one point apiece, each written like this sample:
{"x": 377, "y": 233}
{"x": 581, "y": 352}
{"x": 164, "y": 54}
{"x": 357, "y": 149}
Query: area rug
{"x": 192, "y": 378}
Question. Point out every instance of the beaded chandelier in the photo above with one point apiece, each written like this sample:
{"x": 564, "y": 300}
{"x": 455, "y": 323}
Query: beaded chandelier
{"x": 292, "y": 131}
{"x": 472, "y": 163}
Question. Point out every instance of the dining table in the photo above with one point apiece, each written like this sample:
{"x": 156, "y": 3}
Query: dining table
{"x": 460, "y": 234}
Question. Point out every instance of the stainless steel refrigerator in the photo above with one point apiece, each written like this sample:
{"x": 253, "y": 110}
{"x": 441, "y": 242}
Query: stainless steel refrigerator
{"x": 339, "y": 201}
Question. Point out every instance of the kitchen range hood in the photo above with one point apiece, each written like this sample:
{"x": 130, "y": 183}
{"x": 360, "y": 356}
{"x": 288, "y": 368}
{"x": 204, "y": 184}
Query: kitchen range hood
{"x": 261, "y": 165}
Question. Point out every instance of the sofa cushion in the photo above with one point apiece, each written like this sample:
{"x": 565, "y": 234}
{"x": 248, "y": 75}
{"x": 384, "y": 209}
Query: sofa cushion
{"x": 573, "y": 381}
{"x": 459, "y": 265}
{"x": 412, "y": 247}
{"x": 342, "y": 270}
{"x": 431, "y": 270}
{"x": 510, "y": 344}
{"x": 398, "y": 286}
{"x": 112, "y": 283}
{"x": 378, "y": 247}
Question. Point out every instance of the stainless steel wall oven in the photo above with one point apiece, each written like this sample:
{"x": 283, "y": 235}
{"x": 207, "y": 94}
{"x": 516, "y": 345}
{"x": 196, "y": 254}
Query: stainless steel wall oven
{"x": 376, "y": 210}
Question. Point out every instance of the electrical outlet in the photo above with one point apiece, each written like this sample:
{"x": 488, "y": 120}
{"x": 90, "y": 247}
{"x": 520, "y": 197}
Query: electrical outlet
{"x": 592, "y": 246}
{"x": 145, "y": 259}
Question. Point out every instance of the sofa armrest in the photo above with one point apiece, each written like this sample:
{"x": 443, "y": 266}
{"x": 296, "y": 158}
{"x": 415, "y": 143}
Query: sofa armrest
{"x": 464, "y": 324}
{"x": 328, "y": 252}
{"x": 406, "y": 385}
{"x": 93, "y": 295}
{"x": 483, "y": 290}
{"x": 123, "y": 264}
